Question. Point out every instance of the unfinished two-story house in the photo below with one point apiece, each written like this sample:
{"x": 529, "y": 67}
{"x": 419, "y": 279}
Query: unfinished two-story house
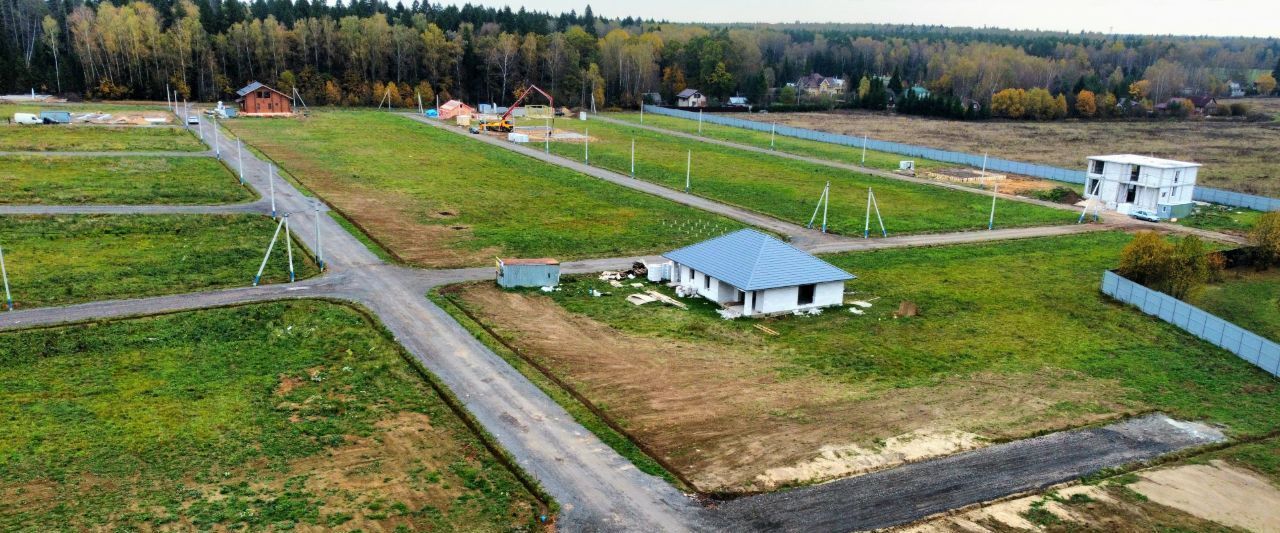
{"x": 1128, "y": 182}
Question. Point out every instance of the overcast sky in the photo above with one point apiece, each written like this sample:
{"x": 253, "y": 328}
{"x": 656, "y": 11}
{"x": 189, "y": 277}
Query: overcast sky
{"x": 1257, "y": 18}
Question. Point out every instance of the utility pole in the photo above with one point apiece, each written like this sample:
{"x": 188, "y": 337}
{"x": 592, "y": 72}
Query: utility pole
{"x": 699, "y": 121}
{"x": 586, "y": 145}
{"x": 826, "y": 204}
{"x": 8, "y": 298}
{"x": 270, "y": 245}
{"x": 991, "y": 222}
{"x": 319, "y": 243}
{"x": 183, "y": 118}
{"x": 217, "y": 147}
{"x": 288, "y": 244}
{"x": 547, "y": 138}
{"x": 240, "y": 160}
{"x": 168, "y": 104}
{"x": 688, "y": 168}
{"x": 642, "y": 109}
{"x": 982, "y": 178}
{"x": 271, "y": 182}
{"x": 864, "y": 150}
{"x": 773, "y": 133}
{"x": 633, "y": 157}
{"x": 866, "y": 229}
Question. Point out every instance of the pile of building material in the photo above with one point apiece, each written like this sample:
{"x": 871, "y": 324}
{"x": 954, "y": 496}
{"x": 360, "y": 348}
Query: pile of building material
{"x": 963, "y": 175}
{"x": 641, "y": 298}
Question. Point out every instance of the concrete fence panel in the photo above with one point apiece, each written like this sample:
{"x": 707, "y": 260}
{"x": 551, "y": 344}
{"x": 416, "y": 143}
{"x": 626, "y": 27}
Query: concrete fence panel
{"x": 1203, "y": 194}
{"x": 1260, "y": 351}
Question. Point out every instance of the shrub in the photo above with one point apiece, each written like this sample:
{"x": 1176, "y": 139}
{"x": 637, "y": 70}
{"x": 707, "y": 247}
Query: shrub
{"x": 1238, "y": 109}
{"x": 1265, "y": 238}
{"x": 1176, "y": 269}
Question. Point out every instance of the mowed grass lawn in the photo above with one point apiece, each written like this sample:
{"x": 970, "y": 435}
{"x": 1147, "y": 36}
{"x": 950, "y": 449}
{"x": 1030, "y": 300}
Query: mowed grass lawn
{"x": 56, "y": 260}
{"x": 117, "y": 180}
{"x": 1246, "y": 297}
{"x": 1013, "y": 338}
{"x": 93, "y": 138}
{"x": 439, "y": 199}
{"x": 260, "y": 417}
{"x": 781, "y": 143}
{"x": 789, "y": 190}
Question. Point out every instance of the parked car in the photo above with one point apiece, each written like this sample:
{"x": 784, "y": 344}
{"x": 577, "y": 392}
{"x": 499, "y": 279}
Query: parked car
{"x": 1143, "y": 214}
{"x": 27, "y": 118}
{"x": 193, "y": 120}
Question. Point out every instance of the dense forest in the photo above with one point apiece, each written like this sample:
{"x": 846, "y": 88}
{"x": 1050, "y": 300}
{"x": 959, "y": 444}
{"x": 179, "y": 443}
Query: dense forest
{"x": 352, "y": 53}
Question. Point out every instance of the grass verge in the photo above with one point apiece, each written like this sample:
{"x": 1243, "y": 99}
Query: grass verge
{"x": 88, "y": 138}
{"x": 58, "y": 260}
{"x": 118, "y": 180}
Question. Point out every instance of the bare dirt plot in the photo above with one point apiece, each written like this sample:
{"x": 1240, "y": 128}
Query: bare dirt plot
{"x": 726, "y": 421}
{"x": 1076, "y": 508}
{"x": 1218, "y": 492}
{"x": 1236, "y": 155}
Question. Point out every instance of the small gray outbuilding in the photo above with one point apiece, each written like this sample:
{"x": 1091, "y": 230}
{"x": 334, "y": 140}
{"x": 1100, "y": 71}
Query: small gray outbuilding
{"x": 540, "y": 272}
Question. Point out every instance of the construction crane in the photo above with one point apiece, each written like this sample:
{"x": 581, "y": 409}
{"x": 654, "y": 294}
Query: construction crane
{"x": 505, "y": 123}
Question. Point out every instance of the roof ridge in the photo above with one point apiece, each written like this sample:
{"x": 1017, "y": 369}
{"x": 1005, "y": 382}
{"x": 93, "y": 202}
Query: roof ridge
{"x": 755, "y": 264}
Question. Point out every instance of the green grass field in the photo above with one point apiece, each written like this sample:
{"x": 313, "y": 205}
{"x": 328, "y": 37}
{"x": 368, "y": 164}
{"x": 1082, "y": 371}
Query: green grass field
{"x": 86, "y": 138}
{"x": 56, "y": 260}
{"x": 1245, "y": 297}
{"x": 1222, "y": 218}
{"x": 438, "y": 199}
{"x": 789, "y": 190}
{"x": 781, "y": 143}
{"x": 262, "y": 417}
{"x": 117, "y": 180}
{"x": 1013, "y": 339}
{"x": 1008, "y": 307}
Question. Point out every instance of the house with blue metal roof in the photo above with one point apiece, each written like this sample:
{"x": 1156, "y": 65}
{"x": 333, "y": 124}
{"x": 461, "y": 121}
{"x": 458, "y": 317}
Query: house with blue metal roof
{"x": 754, "y": 274}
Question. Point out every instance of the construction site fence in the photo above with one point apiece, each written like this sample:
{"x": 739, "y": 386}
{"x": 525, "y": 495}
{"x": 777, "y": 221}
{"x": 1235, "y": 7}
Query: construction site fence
{"x": 1249, "y": 346}
{"x": 995, "y": 164}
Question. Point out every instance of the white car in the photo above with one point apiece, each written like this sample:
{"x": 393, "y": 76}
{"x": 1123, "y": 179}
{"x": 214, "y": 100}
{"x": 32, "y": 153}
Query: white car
{"x": 193, "y": 120}
{"x": 1143, "y": 214}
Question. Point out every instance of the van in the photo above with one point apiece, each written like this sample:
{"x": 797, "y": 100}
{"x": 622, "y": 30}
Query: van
{"x": 26, "y": 118}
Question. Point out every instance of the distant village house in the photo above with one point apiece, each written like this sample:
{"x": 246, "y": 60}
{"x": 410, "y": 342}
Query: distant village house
{"x": 691, "y": 98}
{"x": 258, "y": 99}
{"x": 816, "y": 84}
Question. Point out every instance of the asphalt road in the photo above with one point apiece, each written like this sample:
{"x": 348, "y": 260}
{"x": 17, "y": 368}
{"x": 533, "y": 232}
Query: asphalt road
{"x": 598, "y": 489}
{"x": 908, "y": 493}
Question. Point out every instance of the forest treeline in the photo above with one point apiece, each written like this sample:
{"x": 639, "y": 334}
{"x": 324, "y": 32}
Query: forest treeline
{"x": 351, "y": 53}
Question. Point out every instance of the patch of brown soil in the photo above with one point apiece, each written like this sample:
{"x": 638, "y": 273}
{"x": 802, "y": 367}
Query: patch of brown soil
{"x": 390, "y": 466}
{"x": 395, "y": 220}
{"x": 1075, "y": 508}
{"x": 720, "y": 414}
{"x": 1217, "y": 492}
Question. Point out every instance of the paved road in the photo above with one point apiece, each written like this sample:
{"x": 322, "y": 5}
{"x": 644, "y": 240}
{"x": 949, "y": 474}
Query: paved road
{"x": 598, "y": 489}
{"x": 905, "y": 494}
{"x": 1110, "y": 217}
